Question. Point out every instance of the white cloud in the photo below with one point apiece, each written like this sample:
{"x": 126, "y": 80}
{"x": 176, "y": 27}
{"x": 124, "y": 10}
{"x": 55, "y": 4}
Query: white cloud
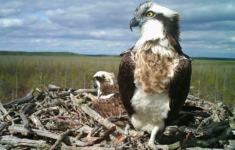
{"x": 10, "y": 22}
{"x": 9, "y": 12}
{"x": 233, "y": 39}
{"x": 98, "y": 34}
{"x": 102, "y": 26}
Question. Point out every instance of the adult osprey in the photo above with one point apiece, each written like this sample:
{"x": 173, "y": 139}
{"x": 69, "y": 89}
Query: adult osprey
{"x": 154, "y": 75}
{"x": 108, "y": 102}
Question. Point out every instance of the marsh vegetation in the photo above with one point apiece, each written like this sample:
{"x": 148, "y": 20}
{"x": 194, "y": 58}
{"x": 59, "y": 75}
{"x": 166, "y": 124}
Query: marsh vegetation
{"x": 212, "y": 80}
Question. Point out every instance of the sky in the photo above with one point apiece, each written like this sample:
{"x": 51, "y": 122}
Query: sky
{"x": 102, "y": 26}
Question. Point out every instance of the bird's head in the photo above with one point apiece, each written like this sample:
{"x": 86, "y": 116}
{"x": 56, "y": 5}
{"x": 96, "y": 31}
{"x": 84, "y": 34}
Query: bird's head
{"x": 156, "y": 22}
{"x": 103, "y": 78}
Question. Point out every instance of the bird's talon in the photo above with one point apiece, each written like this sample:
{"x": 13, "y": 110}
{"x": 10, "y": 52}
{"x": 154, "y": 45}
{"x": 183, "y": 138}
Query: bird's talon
{"x": 152, "y": 146}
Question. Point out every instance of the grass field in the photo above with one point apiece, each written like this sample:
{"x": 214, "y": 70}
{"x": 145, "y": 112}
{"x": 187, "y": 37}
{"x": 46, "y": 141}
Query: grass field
{"x": 214, "y": 80}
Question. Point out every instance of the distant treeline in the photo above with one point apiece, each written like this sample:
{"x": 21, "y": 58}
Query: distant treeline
{"x": 75, "y": 54}
{"x": 38, "y": 53}
{"x": 212, "y": 58}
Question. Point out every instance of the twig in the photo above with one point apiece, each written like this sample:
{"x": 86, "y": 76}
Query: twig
{"x": 68, "y": 140}
{"x": 15, "y": 141}
{"x": 7, "y": 114}
{"x": 23, "y": 114}
{"x": 6, "y": 124}
{"x": 64, "y": 147}
{"x": 37, "y": 122}
{"x": 81, "y": 91}
{"x": 50, "y": 126}
{"x": 62, "y": 136}
{"x": 4, "y": 111}
{"x": 20, "y": 101}
{"x": 45, "y": 110}
{"x": 102, "y": 137}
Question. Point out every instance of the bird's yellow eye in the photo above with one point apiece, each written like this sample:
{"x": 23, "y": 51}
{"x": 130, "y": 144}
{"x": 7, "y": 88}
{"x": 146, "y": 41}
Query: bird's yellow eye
{"x": 149, "y": 14}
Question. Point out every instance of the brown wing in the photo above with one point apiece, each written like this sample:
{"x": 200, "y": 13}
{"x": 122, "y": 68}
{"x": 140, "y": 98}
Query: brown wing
{"x": 110, "y": 107}
{"x": 126, "y": 81}
{"x": 179, "y": 87}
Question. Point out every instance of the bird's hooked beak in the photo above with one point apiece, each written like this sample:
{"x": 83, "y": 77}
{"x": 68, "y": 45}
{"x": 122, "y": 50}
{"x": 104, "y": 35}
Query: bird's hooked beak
{"x": 95, "y": 85}
{"x": 135, "y": 22}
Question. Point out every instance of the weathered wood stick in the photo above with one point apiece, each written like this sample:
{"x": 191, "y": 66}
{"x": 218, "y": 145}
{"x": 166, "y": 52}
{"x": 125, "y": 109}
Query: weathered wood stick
{"x": 73, "y": 99}
{"x": 100, "y": 119}
{"x": 51, "y": 86}
{"x": 45, "y": 110}
{"x": 15, "y": 141}
{"x": 62, "y": 94}
{"x": 2, "y": 148}
{"x": 231, "y": 146}
{"x": 95, "y": 129}
{"x": 3, "y": 126}
{"x": 20, "y": 129}
{"x": 102, "y": 137}
{"x": 56, "y": 88}
{"x": 81, "y": 91}
{"x": 76, "y": 91}
{"x": 7, "y": 114}
{"x": 199, "y": 148}
{"x": 0, "y": 112}
{"x": 65, "y": 93}
{"x": 23, "y": 114}
{"x": 37, "y": 122}
{"x": 20, "y": 101}
{"x": 206, "y": 143}
{"x": 6, "y": 124}
{"x": 50, "y": 126}
{"x": 64, "y": 147}
{"x": 62, "y": 136}
{"x": 4, "y": 111}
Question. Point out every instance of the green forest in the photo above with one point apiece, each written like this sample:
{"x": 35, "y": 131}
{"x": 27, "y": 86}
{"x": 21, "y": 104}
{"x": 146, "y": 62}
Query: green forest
{"x": 212, "y": 80}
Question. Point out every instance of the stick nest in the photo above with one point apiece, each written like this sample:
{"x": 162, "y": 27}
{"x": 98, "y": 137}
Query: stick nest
{"x": 64, "y": 119}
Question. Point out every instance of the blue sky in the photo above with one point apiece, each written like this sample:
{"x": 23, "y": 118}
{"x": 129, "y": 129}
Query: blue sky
{"x": 102, "y": 26}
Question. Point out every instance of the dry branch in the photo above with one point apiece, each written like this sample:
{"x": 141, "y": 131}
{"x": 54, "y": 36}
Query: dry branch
{"x": 37, "y": 122}
{"x": 20, "y": 101}
{"x": 14, "y": 141}
{"x": 23, "y": 114}
{"x": 62, "y": 137}
{"x": 102, "y": 137}
{"x": 85, "y": 148}
{"x": 19, "y": 129}
{"x": 4, "y": 112}
{"x": 81, "y": 91}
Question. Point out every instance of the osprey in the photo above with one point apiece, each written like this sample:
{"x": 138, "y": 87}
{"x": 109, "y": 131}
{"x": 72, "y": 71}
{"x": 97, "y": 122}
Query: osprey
{"x": 108, "y": 102}
{"x": 154, "y": 75}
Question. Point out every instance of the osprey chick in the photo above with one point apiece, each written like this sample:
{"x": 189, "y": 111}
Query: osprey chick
{"x": 108, "y": 102}
{"x": 154, "y": 75}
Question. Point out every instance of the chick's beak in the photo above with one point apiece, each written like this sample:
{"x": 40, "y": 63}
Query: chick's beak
{"x": 94, "y": 85}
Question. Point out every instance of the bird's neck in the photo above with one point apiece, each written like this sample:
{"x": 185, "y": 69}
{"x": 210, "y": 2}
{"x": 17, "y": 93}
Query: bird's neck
{"x": 107, "y": 89}
{"x": 157, "y": 46}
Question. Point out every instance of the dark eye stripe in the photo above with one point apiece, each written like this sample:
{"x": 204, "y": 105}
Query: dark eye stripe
{"x": 97, "y": 78}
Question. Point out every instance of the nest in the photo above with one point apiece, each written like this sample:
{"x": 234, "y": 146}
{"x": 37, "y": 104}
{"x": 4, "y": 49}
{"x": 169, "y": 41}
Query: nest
{"x": 64, "y": 119}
